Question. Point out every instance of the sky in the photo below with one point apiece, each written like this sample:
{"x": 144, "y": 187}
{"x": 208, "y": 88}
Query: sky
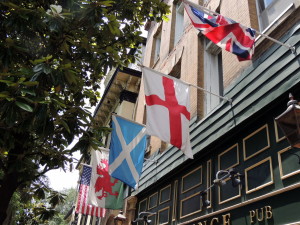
{"x": 59, "y": 179}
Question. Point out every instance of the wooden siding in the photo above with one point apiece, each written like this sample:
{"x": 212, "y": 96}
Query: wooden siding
{"x": 258, "y": 87}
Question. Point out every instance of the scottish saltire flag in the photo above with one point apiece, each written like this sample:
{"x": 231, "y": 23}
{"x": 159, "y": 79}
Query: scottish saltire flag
{"x": 127, "y": 148}
{"x": 224, "y": 32}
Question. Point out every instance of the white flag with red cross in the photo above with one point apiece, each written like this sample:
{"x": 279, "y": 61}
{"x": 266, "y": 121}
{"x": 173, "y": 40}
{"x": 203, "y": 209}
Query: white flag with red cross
{"x": 168, "y": 109}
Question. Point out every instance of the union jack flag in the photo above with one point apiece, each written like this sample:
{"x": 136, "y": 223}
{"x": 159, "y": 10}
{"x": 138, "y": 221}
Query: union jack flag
{"x": 224, "y": 32}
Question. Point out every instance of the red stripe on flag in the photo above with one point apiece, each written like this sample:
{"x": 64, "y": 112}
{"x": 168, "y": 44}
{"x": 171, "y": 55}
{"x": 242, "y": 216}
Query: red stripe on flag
{"x": 175, "y": 110}
{"x": 92, "y": 210}
{"x": 84, "y": 199}
{"x": 79, "y": 202}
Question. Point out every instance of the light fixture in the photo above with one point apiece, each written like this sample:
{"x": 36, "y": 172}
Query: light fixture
{"x": 143, "y": 216}
{"x": 289, "y": 122}
{"x": 235, "y": 177}
{"x": 205, "y": 201}
{"x": 221, "y": 180}
{"x": 120, "y": 218}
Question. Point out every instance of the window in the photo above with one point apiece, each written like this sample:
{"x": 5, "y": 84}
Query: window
{"x": 178, "y": 22}
{"x": 213, "y": 76}
{"x": 156, "y": 46}
{"x": 269, "y": 10}
{"x": 176, "y": 71}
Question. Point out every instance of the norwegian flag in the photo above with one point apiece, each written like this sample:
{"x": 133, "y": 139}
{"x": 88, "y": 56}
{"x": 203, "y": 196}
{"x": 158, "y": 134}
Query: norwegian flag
{"x": 82, "y": 206}
{"x": 168, "y": 109}
{"x": 224, "y": 32}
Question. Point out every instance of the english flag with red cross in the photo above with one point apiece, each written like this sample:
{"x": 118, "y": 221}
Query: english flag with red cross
{"x": 168, "y": 109}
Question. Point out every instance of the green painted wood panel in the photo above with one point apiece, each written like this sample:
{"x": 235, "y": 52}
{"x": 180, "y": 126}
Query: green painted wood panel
{"x": 267, "y": 79}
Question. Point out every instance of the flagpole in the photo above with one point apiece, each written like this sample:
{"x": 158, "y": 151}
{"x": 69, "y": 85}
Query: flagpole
{"x": 200, "y": 88}
{"x": 128, "y": 119}
{"x": 212, "y": 13}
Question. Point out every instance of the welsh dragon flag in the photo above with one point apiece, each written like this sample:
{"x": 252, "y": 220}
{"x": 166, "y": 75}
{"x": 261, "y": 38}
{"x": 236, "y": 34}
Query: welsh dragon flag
{"x": 105, "y": 191}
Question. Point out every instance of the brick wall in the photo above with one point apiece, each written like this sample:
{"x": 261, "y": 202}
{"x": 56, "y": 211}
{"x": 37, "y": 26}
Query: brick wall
{"x": 190, "y": 51}
{"x": 239, "y": 11}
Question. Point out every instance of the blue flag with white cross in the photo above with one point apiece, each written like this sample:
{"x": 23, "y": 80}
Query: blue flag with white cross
{"x": 127, "y": 149}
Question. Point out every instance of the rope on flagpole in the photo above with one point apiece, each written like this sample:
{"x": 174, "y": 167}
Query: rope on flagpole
{"x": 212, "y": 13}
{"x": 200, "y": 88}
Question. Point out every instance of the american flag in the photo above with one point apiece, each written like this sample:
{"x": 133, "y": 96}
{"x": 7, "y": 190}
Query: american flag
{"x": 82, "y": 206}
{"x": 224, "y": 32}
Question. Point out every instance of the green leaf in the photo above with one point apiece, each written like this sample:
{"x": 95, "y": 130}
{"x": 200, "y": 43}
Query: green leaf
{"x": 4, "y": 94}
{"x": 39, "y": 193}
{"x": 24, "y": 106}
{"x": 107, "y": 3}
{"x": 46, "y": 69}
{"x": 65, "y": 125}
{"x": 7, "y": 82}
{"x": 28, "y": 100}
{"x": 31, "y": 83}
{"x": 70, "y": 77}
{"x": 38, "y": 61}
{"x": 22, "y": 79}
{"x": 27, "y": 91}
{"x": 66, "y": 66}
{"x": 6, "y": 74}
{"x": 59, "y": 102}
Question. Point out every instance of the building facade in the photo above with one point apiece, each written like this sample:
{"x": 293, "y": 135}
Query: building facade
{"x": 244, "y": 170}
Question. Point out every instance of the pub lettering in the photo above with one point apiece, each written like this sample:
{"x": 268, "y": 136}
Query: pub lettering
{"x": 255, "y": 215}
{"x": 264, "y": 213}
{"x": 225, "y": 220}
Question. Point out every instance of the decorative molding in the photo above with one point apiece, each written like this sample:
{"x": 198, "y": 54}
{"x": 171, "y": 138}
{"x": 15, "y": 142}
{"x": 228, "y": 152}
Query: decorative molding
{"x": 229, "y": 199}
{"x": 161, "y": 210}
{"x": 183, "y": 200}
{"x": 151, "y": 207}
{"x": 153, "y": 218}
{"x": 242, "y": 204}
{"x": 168, "y": 186}
{"x": 263, "y": 185}
{"x": 145, "y": 199}
{"x": 278, "y": 139}
{"x": 186, "y": 175}
{"x": 252, "y": 134}
{"x": 284, "y": 176}
{"x": 175, "y": 200}
{"x": 208, "y": 181}
{"x": 224, "y": 152}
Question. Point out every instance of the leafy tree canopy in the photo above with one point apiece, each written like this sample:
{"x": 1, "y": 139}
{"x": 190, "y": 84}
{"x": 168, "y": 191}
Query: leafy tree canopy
{"x": 53, "y": 55}
{"x": 36, "y": 204}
